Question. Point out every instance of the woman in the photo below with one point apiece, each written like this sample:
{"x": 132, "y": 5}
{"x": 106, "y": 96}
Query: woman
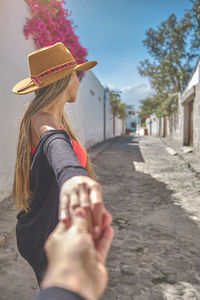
{"x": 53, "y": 173}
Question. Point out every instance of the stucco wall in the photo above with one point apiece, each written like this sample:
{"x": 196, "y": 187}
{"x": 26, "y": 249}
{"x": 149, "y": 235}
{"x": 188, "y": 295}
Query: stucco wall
{"x": 195, "y": 77}
{"x": 87, "y": 113}
{"x": 196, "y": 119}
{"x": 176, "y": 123}
{"x": 152, "y": 124}
{"x": 118, "y": 126}
{"x": 13, "y": 64}
{"x": 171, "y": 126}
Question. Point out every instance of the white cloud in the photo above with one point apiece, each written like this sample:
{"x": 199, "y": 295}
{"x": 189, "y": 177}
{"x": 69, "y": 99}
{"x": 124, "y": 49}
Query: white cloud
{"x": 110, "y": 86}
{"x": 133, "y": 94}
{"x": 126, "y": 88}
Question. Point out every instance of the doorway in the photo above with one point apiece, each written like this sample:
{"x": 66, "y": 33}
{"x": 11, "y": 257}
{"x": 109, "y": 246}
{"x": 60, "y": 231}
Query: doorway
{"x": 190, "y": 124}
{"x": 165, "y": 127}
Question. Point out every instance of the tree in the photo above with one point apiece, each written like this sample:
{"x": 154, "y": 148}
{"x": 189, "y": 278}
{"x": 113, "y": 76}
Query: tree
{"x": 115, "y": 99}
{"x": 122, "y": 111}
{"x": 192, "y": 16}
{"x": 118, "y": 108}
{"x": 169, "y": 47}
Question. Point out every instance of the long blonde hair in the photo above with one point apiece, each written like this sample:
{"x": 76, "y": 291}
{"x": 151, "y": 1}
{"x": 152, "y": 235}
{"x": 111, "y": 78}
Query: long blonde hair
{"x": 43, "y": 99}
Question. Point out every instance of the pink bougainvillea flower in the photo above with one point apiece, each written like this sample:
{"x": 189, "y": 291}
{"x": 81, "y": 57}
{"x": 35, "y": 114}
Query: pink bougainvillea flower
{"x": 51, "y": 23}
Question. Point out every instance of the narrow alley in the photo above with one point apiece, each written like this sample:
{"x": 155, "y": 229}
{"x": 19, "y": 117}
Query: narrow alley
{"x": 155, "y": 203}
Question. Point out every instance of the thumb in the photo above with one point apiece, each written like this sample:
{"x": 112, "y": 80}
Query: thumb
{"x": 60, "y": 228}
{"x": 104, "y": 243}
{"x": 79, "y": 220}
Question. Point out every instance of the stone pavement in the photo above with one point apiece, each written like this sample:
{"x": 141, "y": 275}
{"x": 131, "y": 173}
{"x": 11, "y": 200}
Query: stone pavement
{"x": 191, "y": 158}
{"x": 180, "y": 172}
{"x": 155, "y": 202}
{"x": 155, "y": 252}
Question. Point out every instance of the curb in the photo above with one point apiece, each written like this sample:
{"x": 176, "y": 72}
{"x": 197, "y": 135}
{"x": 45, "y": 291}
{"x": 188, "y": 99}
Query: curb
{"x": 96, "y": 156}
{"x": 189, "y": 164}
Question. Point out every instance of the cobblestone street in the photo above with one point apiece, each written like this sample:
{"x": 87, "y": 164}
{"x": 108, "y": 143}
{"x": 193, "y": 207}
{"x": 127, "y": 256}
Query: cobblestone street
{"x": 155, "y": 202}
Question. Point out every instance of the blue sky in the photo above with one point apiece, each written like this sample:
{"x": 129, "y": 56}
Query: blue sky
{"x": 113, "y": 32}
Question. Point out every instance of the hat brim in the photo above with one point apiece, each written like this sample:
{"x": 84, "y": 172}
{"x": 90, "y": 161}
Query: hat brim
{"x": 26, "y": 85}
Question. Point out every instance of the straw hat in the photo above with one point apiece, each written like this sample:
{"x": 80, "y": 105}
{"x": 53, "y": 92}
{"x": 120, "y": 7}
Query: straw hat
{"x": 47, "y": 65}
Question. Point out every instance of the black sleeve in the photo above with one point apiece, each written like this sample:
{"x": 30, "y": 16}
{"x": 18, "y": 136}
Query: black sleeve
{"x": 61, "y": 157}
{"x": 55, "y": 293}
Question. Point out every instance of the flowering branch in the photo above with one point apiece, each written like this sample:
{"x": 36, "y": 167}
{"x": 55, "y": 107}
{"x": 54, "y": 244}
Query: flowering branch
{"x": 50, "y": 23}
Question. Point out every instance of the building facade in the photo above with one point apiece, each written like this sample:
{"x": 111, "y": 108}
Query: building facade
{"x": 184, "y": 125}
{"x": 190, "y": 100}
{"x": 132, "y": 118}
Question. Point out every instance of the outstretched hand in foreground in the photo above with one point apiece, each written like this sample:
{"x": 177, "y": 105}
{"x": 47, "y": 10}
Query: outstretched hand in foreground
{"x": 75, "y": 261}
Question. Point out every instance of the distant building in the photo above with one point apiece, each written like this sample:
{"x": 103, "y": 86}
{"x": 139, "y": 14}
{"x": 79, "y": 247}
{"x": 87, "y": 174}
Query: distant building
{"x": 132, "y": 118}
{"x": 190, "y": 114}
{"x": 184, "y": 125}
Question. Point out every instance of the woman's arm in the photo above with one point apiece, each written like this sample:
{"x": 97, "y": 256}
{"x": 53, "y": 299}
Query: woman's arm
{"x": 76, "y": 187}
{"x": 56, "y": 293}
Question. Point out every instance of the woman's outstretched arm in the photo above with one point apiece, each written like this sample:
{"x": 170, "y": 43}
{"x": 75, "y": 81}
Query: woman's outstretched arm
{"x": 76, "y": 187}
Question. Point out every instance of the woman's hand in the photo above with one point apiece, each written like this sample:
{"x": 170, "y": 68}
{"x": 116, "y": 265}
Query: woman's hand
{"x": 74, "y": 262}
{"x": 82, "y": 191}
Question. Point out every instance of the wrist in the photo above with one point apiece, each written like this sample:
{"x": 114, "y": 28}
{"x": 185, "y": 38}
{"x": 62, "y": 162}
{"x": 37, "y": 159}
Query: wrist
{"x": 78, "y": 282}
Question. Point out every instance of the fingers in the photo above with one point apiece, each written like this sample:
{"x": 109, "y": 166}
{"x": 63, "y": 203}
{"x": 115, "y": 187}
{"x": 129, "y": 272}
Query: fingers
{"x": 97, "y": 219}
{"x": 79, "y": 220}
{"x": 104, "y": 243}
{"x": 83, "y": 196}
{"x": 106, "y": 219}
{"x": 86, "y": 193}
{"x": 60, "y": 228}
{"x": 97, "y": 208}
{"x": 79, "y": 212}
{"x": 64, "y": 208}
{"x": 74, "y": 200}
{"x": 85, "y": 204}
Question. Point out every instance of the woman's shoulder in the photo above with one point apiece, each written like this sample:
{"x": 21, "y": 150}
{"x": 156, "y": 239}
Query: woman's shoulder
{"x": 42, "y": 121}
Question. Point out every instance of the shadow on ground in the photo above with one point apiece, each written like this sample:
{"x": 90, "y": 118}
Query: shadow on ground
{"x": 155, "y": 251}
{"x": 156, "y": 245}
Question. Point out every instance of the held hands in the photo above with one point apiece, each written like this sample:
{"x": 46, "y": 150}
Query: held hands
{"x": 74, "y": 262}
{"x": 82, "y": 191}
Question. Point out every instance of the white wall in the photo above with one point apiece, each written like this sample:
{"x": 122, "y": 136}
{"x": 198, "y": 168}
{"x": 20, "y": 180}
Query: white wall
{"x": 196, "y": 119}
{"x": 176, "y": 123}
{"x": 139, "y": 130}
{"x": 13, "y": 64}
{"x": 87, "y": 113}
{"x": 152, "y": 124}
{"x": 109, "y": 118}
{"x": 118, "y": 126}
{"x": 195, "y": 79}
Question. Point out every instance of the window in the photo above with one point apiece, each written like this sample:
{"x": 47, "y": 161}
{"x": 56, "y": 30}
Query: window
{"x": 133, "y": 124}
